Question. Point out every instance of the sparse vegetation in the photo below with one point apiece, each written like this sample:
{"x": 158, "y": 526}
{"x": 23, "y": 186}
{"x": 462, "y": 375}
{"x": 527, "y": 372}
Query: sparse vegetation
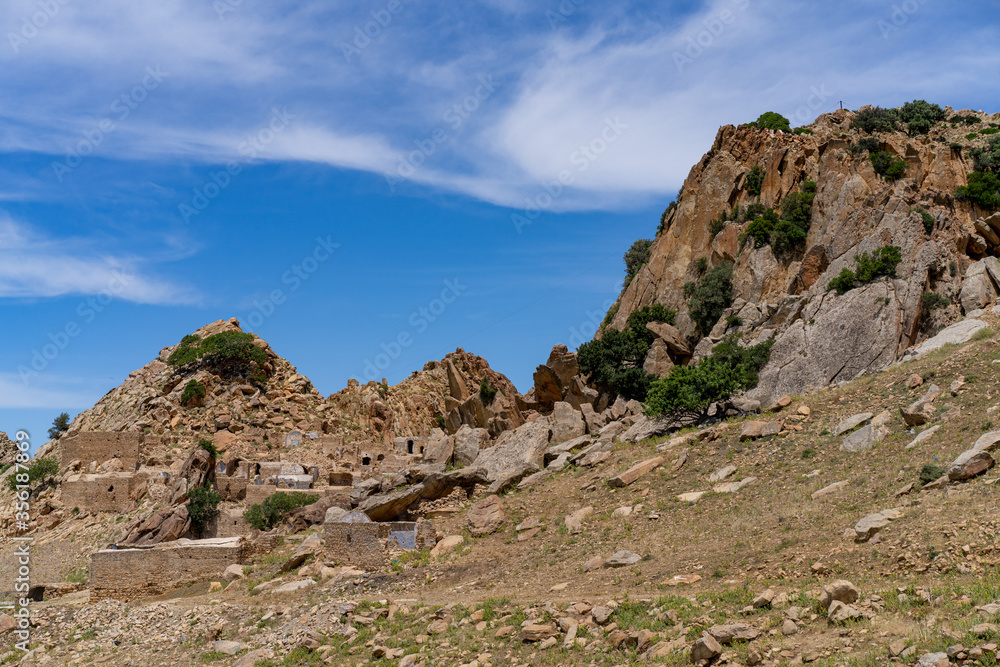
{"x": 635, "y": 258}
{"x": 887, "y": 166}
{"x": 929, "y": 473}
{"x": 689, "y": 391}
{"x": 272, "y": 511}
{"x": 193, "y": 391}
{"x": 209, "y": 447}
{"x": 38, "y": 471}
{"x": 933, "y": 301}
{"x": 59, "y": 426}
{"x": 754, "y": 181}
{"x": 486, "y": 391}
{"x": 771, "y": 120}
{"x": 202, "y": 506}
{"x": 710, "y": 296}
{"x": 230, "y": 354}
{"x": 868, "y": 268}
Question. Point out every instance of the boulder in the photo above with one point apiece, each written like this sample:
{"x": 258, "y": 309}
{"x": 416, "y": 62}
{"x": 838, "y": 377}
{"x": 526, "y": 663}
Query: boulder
{"x": 622, "y": 558}
{"x": 645, "y": 428}
{"x": 658, "y": 361}
{"x": 705, "y": 650}
{"x": 733, "y": 632}
{"x": 527, "y": 443}
{"x": 547, "y": 388}
{"x": 753, "y": 430}
{"x": 449, "y": 543}
{"x": 574, "y": 521}
{"x": 511, "y": 477}
{"x": 970, "y": 464}
{"x": 439, "y": 447}
{"x": 486, "y": 516}
{"x": 978, "y": 289}
{"x": 852, "y": 423}
{"x": 566, "y": 423}
{"x": 841, "y": 613}
{"x": 672, "y": 338}
{"x": 956, "y": 334}
{"x": 468, "y": 443}
{"x": 635, "y": 472}
{"x": 988, "y": 442}
{"x": 389, "y": 506}
{"x": 840, "y": 590}
{"x": 837, "y": 338}
{"x": 721, "y": 474}
{"x": 864, "y": 438}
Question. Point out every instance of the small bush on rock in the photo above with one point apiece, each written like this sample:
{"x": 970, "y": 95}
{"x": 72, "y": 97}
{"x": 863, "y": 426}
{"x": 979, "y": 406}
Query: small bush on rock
{"x": 270, "y": 513}
{"x": 710, "y": 296}
{"x": 868, "y": 268}
{"x": 771, "y": 120}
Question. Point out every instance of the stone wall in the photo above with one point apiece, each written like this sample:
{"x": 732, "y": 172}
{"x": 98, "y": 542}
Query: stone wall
{"x": 257, "y": 493}
{"x": 112, "y": 492}
{"x": 127, "y": 574}
{"x": 98, "y": 446}
{"x": 354, "y": 543}
{"x": 229, "y": 523}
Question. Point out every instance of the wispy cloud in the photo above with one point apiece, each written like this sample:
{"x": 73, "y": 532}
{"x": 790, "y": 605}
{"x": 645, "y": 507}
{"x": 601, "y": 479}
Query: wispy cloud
{"x": 671, "y": 75}
{"x": 34, "y": 265}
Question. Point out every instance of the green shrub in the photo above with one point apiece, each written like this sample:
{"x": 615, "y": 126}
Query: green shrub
{"x": 920, "y": 116}
{"x": 754, "y": 181}
{"x": 193, "y": 391}
{"x": 636, "y": 257}
{"x": 932, "y": 301}
{"x": 803, "y": 130}
{"x": 866, "y": 145}
{"x": 710, "y": 296}
{"x": 983, "y": 190}
{"x": 752, "y": 211}
{"x": 663, "y": 217}
{"x": 688, "y": 391}
{"x": 717, "y": 225}
{"x": 702, "y": 265}
{"x": 202, "y": 504}
{"x": 270, "y": 513}
{"x": 771, "y": 120}
{"x": 887, "y": 166}
{"x": 760, "y": 230}
{"x": 486, "y": 391}
{"x": 930, "y": 473}
{"x": 967, "y": 119}
{"x": 38, "y": 471}
{"x": 868, "y": 268}
{"x": 986, "y": 158}
{"x": 614, "y": 362}
{"x": 209, "y": 447}
{"x": 657, "y": 312}
{"x": 612, "y": 311}
{"x": 230, "y": 354}
{"x": 59, "y": 426}
{"x": 989, "y": 130}
{"x": 876, "y": 119}
{"x": 972, "y": 135}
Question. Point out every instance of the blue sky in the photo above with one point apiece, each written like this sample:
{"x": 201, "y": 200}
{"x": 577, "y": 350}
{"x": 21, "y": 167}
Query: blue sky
{"x": 345, "y": 176}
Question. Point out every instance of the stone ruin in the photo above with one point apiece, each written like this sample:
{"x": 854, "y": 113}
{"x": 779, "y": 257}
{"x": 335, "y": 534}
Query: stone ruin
{"x": 130, "y": 573}
{"x": 92, "y": 448}
{"x": 354, "y": 539}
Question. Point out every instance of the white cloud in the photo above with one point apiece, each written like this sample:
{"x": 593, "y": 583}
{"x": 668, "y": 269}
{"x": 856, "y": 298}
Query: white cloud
{"x": 32, "y": 265}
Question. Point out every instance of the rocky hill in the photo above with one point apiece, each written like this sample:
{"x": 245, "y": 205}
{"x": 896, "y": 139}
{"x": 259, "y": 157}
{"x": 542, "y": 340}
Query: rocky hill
{"x": 821, "y": 337}
{"x": 151, "y": 400}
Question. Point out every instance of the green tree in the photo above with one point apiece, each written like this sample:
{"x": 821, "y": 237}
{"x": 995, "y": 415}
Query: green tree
{"x": 269, "y": 513}
{"x": 202, "y": 506}
{"x": 59, "y": 426}
{"x": 689, "y": 391}
{"x": 755, "y": 180}
{"x": 710, "y": 296}
{"x": 771, "y": 120}
{"x": 636, "y": 256}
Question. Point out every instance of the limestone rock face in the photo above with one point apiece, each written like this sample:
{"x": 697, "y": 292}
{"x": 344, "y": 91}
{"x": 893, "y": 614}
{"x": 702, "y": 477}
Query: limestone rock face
{"x": 526, "y": 444}
{"x": 822, "y": 337}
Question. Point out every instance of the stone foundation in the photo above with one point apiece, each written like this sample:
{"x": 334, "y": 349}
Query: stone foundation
{"x": 130, "y": 573}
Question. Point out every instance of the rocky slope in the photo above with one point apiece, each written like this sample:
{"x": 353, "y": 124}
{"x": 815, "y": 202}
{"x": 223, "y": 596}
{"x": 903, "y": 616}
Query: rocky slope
{"x": 823, "y": 338}
{"x": 150, "y": 400}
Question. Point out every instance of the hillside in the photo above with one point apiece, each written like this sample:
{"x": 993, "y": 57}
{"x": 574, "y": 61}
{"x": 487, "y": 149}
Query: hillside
{"x": 823, "y": 338}
{"x": 215, "y": 508}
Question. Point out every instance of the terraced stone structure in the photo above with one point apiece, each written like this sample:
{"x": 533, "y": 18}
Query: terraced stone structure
{"x": 99, "y": 446}
{"x": 131, "y": 573}
{"x": 112, "y": 492}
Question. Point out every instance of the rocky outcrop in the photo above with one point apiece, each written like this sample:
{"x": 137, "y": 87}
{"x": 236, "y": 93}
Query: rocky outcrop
{"x": 822, "y": 337}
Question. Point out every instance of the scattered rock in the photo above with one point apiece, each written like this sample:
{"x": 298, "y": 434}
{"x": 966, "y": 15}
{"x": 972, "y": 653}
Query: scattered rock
{"x": 575, "y": 520}
{"x": 733, "y": 632}
{"x": 988, "y": 442}
{"x": 537, "y": 633}
{"x": 759, "y": 429}
{"x": 623, "y": 558}
{"x": 705, "y": 650}
{"x": 635, "y": 472}
{"x": 864, "y": 438}
{"x": 923, "y": 435}
{"x": 721, "y": 474}
{"x": 449, "y": 543}
{"x": 733, "y": 487}
{"x": 840, "y": 590}
{"x": 828, "y": 490}
{"x": 841, "y": 613}
{"x": 914, "y": 381}
{"x": 852, "y": 423}
{"x": 691, "y": 497}
{"x": 970, "y": 464}
{"x": 486, "y": 516}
